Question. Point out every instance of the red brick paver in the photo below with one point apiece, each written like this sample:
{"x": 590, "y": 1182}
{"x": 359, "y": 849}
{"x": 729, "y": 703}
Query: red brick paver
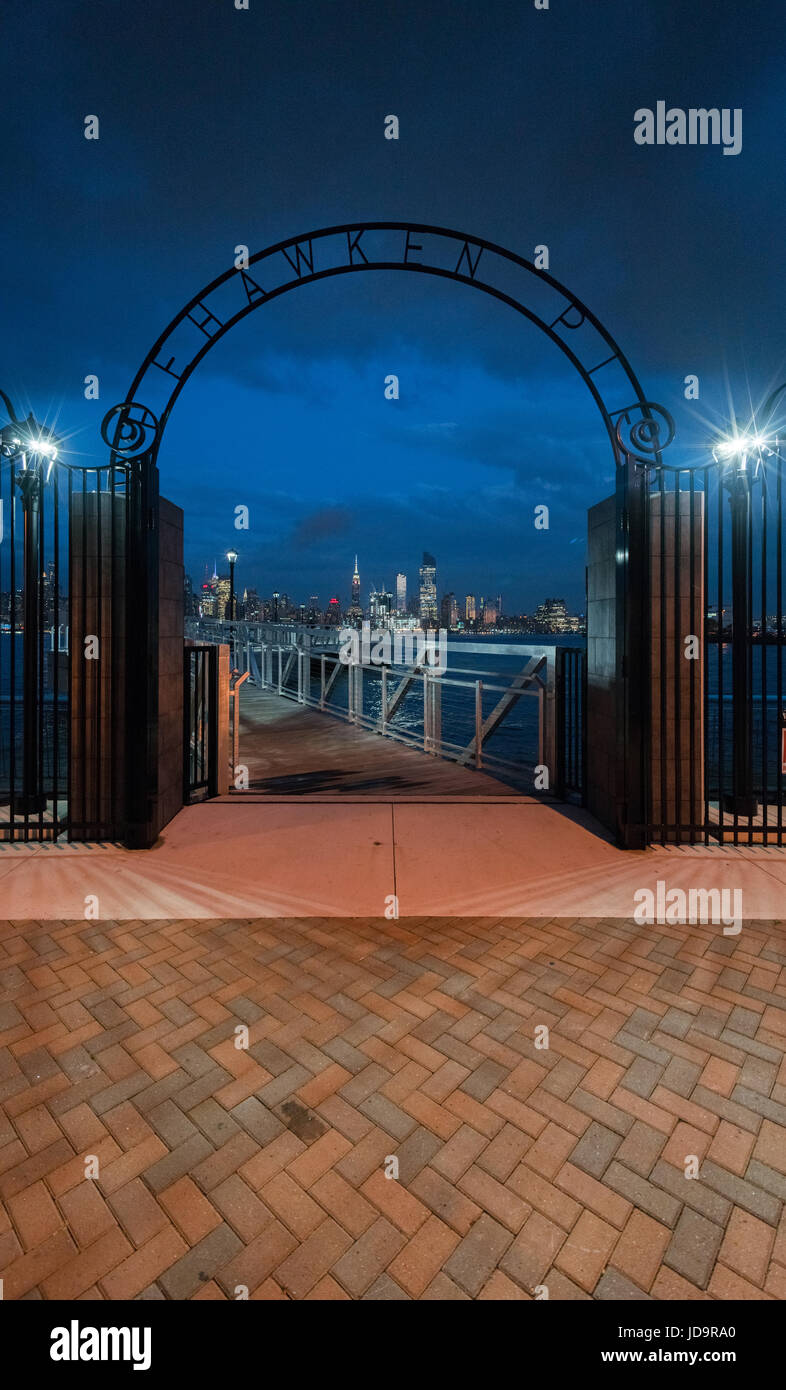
{"x": 393, "y": 1130}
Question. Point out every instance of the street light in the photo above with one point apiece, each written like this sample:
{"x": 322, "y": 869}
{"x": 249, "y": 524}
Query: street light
{"x": 741, "y": 456}
{"x": 32, "y": 445}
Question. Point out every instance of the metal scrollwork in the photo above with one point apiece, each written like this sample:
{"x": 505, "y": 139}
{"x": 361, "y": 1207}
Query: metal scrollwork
{"x": 129, "y": 429}
{"x": 644, "y": 435}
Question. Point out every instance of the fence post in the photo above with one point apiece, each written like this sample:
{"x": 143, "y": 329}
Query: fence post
{"x": 300, "y": 677}
{"x": 322, "y": 681}
{"x": 384, "y": 719}
{"x": 280, "y": 669}
{"x": 436, "y": 713}
{"x": 478, "y": 723}
{"x": 557, "y": 771}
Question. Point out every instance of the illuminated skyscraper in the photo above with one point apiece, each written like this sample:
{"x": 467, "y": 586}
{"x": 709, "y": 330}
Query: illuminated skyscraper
{"x": 469, "y": 608}
{"x": 354, "y": 614}
{"x": 449, "y": 611}
{"x": 380, "y": 608}
{"x": 428, "y": 591}
{"x": 401, "y": 593}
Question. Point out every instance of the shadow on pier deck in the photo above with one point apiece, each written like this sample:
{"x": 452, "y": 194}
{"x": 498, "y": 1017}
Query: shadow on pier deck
{"x": 292, "y": 750}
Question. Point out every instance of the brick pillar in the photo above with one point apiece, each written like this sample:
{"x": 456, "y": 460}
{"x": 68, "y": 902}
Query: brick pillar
{"x": 170, "y": 664}
{"x": 602, "y": 663}
{"x": 97, "y": 586}
{"x": 678, "y": 605}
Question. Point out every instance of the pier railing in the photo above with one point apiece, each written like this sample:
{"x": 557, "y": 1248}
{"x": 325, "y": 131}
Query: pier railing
{"x": 525, "y": 726}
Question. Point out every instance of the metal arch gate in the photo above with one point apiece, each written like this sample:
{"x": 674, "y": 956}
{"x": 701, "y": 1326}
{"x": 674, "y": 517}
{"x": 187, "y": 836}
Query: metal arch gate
{"x": 134, "y": 428}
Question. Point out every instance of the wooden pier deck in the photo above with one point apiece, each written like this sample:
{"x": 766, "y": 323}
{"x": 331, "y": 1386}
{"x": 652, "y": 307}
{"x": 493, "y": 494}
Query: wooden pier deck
{"x": 293, "y": 750}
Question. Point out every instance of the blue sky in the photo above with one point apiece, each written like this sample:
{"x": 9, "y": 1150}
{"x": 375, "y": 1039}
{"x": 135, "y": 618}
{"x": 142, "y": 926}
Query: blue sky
{"x": 221, "y": 127}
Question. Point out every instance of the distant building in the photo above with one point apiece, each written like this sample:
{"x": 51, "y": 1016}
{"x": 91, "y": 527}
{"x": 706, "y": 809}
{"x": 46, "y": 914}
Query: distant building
{"x": 333, "y": 613}
{"x": 469, "y": 608}
{"x": 449, "y": 611}
{"x": 489, "y": 614}
{"x": 354, "y": 614}
{"x": 252, "y": 606}
{"x": 499, "y": 605}
{"x": 380, "y": 608}
{"x": 314, "y": 612}
{"x": 428, "y": 591}
{"x": 401, "y": 593}
{"x": 208, "y": 602}
{"x": 552, "y": 616}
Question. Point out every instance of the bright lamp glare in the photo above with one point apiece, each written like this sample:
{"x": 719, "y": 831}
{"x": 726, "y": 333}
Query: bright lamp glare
{"x": 42, "y": 446}
{"x": 742, "y": 444}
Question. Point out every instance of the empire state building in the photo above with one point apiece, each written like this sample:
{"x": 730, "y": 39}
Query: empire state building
{"x": 354, "y": 614}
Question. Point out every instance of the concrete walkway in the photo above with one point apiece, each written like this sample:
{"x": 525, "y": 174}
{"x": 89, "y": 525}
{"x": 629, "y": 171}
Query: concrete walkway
{"x": 345, "y": 858}
{"x": 339, "y": 822}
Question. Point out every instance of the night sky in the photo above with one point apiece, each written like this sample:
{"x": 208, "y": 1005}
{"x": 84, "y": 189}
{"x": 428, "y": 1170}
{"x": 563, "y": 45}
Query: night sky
{"x": 221, "y": 127}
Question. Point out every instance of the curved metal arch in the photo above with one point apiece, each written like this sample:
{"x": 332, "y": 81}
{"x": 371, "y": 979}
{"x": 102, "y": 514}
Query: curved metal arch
{"x": 133, "y": 435}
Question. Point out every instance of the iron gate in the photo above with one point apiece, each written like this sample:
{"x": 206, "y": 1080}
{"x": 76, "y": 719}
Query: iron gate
{"x": 200, "y": 720}
{"x": 570, "y": 703}
{"x": 64, "y": 598}
{"x": 716, "y": 658}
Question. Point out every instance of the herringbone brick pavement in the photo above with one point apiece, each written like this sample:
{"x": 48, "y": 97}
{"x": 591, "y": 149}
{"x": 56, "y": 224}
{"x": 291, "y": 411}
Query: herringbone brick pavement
{"x": 219, "y": 1168}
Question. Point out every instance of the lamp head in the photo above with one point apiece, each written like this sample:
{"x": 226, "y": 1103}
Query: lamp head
{"x": 26, "y": 439}
{"x": 232, "y": 556}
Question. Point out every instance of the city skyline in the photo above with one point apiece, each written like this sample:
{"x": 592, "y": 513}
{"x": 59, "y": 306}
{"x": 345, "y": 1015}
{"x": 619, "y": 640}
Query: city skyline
{"x": 430, "y": 606}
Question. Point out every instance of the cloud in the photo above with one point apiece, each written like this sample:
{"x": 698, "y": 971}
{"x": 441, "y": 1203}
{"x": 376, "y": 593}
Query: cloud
{"x": 326, "y": 523}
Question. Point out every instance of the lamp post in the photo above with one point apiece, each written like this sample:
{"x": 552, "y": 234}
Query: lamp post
{"x": 741, "y": 456}
{"x": 27, "y": 442}
{"x": 275, "y": 605}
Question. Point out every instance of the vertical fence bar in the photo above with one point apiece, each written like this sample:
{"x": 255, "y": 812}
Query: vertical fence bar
{"x": 12, "y": 701}
{"x": 479, "y": 723}
{"x": 678, "y": 657}
{"x": 721, "y": 681}
{"x": 763, "y": 663}
{"x": 557, "y": 773}
{"x": 38, "y": 787}
{"x": 779, "y": 650}
{"x": 69, "y": 666}
{"x": 749, "y": 639}
{"x": 86, "y": 702}
{"x": 663, "y": 672}
{"x": 692, "y": 828}
{"x": 705, "y": 656}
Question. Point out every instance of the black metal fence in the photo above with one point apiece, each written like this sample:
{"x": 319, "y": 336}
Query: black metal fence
{"x": 200, "y": 722}
{"x": 64, "y": 590}
{"x": 570, "y": 702}
{"x": 716, "y": 654}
